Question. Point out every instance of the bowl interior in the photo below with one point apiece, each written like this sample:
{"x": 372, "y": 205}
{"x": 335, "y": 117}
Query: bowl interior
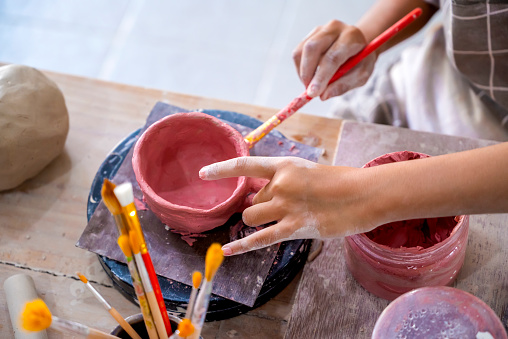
{"x": 172, "y": 152}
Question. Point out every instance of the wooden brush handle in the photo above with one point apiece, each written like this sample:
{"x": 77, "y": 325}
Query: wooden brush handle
{"x": 150, "y": 296}
{"x": 124, "y": 324}
{"x": 96, "y": 334}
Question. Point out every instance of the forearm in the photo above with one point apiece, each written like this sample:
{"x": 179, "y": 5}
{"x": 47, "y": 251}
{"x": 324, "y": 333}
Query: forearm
{"x": 385, "y": 13}
{"x": 471, "y": 182}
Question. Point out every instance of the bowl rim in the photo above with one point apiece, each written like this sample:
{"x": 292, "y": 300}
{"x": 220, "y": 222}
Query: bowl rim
{"x": 147, "y": 190}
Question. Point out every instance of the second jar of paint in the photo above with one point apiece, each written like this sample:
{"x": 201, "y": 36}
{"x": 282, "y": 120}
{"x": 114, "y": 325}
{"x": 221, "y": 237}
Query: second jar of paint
{"x": 389, "y": 272}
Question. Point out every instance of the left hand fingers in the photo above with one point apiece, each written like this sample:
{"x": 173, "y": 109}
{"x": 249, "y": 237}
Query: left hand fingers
{"x": 261, "y": 214}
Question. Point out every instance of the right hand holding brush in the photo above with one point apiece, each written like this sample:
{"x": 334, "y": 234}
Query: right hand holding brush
{"x": 323, "y": 51}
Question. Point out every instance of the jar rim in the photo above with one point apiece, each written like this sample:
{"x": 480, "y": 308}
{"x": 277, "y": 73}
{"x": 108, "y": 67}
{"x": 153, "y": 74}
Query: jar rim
{"x": 395, "y": 255}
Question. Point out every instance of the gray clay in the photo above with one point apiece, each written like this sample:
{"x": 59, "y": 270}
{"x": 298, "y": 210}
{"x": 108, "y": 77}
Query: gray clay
{"x": 33, "y": 123}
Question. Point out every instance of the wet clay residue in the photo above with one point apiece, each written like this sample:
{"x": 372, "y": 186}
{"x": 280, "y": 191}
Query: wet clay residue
{"x": 308, "y": 139}
{"x": 419, "y": 233}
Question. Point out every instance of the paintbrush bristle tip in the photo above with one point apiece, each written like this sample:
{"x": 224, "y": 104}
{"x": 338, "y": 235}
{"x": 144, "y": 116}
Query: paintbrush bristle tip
{"x": 82, "y": 277}
{"x": 36, "y": 316}
{"x": 214, "y": 258}
{"x": 185, "y": 328}
{"x": 109, "y": 198}
{"x": 124, "y": 193}
{"x": 196, "y": 279}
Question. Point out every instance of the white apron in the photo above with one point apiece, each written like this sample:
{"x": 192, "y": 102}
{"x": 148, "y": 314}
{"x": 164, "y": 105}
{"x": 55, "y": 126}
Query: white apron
{"x": 456, "y": 85}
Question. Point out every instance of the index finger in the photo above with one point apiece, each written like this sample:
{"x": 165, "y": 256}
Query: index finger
{"x": 258, "y": 167}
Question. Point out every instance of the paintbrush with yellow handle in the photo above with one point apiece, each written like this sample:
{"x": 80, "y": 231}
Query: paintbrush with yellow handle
{"x": 114, "y": 313}
{"x": 113, "y": 205}
{"x": 213, "y": 260}
{"x": 36, "y": 316}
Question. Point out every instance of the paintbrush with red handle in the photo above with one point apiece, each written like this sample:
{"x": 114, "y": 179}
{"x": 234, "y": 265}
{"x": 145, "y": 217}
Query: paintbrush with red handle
{"x": 125, "y": 196}
{"x": 253, "y": 137}
{"x": 113, "y": 205}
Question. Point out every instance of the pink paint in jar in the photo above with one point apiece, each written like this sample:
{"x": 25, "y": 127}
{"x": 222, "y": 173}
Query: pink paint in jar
{"x": 398, "y": 257}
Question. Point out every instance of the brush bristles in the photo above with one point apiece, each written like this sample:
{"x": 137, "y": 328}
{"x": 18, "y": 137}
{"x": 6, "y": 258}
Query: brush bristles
{"x": 109, "y": 198}
{"x": 36, "y": 316}
{"x": 123, "y": 242}
{"x": 185, "y": 328}
{"x": 196, "y": 279}
{"x": 213, "y": 260}
{"x": 82, "y": 277}
{"x": 124, "y": 194}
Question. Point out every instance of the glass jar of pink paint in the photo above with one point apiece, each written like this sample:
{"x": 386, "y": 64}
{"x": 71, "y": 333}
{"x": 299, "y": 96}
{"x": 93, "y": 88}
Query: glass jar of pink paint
{"x": 389, "y": 267}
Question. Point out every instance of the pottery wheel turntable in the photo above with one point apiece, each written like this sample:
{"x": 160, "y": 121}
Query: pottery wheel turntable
{"x": 289, "y": 259}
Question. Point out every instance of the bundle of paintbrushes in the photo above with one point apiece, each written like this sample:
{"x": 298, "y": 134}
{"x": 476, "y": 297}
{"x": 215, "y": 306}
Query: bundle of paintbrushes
{"x": 120, "y": 202}
{"x": 190, "y": 327}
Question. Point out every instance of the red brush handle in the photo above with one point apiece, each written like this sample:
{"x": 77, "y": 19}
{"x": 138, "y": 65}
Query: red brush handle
{"x": 253, "y": 137}
{"x": 376, "y": 43}
{"x": 157, "y": 290}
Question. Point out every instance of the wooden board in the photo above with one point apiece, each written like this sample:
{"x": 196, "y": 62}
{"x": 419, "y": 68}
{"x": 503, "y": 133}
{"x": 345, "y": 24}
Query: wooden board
{"x": 331, "y": 304}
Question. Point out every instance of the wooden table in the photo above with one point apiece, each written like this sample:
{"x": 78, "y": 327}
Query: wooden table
{"x": 41, "y": 220}
{"x": 330, "y": 303}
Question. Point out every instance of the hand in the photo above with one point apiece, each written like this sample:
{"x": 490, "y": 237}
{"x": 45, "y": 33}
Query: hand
{"x": 307, "y": 200}
{"x": 323, "y": 51}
